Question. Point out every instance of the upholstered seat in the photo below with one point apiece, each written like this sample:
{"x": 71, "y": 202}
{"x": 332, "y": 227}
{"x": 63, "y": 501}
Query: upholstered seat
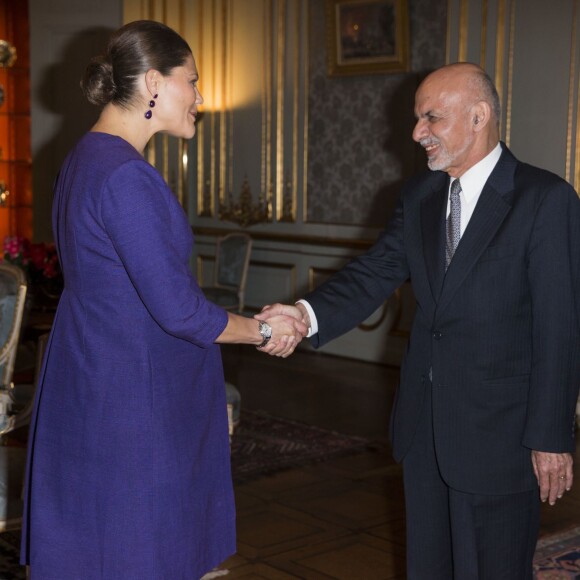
{"x": 228, "y": 290}
{"x": 12, "y": 459}
{"x": 12, "y": 297}
{"x": 230, "y": 272}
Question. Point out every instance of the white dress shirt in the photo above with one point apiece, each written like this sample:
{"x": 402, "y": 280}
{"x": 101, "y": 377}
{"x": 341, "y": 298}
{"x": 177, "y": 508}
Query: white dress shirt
{"x": 472, "y": 182}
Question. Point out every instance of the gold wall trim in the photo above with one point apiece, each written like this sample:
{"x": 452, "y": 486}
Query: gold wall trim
{"x": 182, "y": 163}
{"x": 165, "y": 146}
{"x": 284, "y": 115}
{"x": 577, "y": 152}
{"x": 499, "y": 50}
{"x": 230, "y": 100}
{"x": 510, "y": 73}
{"x": 280, "y": 73}
{"x": 213, "y": 115}
{"x": 223, "y": 114}
{"x": 295, "y": 110}
{"x": 200, "y": 132}
{"x": 199, "y": 267}
{"x": 571, "y": 89}
{"x": 267, "y": 106}
{"x": 306, "y": 110}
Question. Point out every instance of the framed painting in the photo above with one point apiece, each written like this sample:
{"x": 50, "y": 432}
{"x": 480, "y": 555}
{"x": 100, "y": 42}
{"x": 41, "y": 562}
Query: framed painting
{"x": 367, "y": 36}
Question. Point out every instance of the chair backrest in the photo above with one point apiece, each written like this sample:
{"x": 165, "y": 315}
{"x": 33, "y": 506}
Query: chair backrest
{"x": 12, "y": 297}
{"x": 23, "y": 416}
{"x": 232, "y": 262}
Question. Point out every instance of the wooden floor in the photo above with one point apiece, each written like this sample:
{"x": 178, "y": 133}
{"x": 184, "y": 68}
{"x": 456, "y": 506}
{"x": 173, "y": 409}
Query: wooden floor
{"x": 344, "y": 518}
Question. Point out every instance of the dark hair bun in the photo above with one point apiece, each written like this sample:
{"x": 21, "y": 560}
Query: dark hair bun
{"x": 132, "y": 50}
{"x": 97, "y": 83}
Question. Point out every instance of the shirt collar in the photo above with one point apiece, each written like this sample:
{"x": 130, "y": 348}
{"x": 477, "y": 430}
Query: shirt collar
{"x": 473, "y": 180}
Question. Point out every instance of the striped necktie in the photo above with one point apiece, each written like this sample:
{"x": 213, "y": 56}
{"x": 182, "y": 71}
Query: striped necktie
{"x": 453, "y": 221}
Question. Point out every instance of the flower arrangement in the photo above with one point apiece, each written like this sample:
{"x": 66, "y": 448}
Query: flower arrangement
{"x": 38, "y": 261}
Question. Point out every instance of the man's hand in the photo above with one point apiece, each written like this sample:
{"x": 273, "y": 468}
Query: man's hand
{"x": 298, "y": 312}
{"x": 288, "y": 328}
{"x": 554, "y": 474}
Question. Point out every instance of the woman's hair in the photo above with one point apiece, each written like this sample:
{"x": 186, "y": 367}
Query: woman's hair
{"x": 132, "y": 50}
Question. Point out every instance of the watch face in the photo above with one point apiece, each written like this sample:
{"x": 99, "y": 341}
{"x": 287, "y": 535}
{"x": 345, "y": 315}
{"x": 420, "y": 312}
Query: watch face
{"x": 266, "y": 330}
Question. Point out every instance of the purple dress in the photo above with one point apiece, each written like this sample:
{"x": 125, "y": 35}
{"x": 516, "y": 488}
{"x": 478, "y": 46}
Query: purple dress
{"x": 129, "y": 469}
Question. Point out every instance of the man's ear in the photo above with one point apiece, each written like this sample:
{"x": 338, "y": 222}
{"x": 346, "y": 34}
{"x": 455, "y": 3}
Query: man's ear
{"x": 480, "y": 115}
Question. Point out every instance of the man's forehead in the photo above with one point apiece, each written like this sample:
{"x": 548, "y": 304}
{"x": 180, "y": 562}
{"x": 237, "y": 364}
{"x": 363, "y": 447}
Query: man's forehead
{"x": 435, "y": 93}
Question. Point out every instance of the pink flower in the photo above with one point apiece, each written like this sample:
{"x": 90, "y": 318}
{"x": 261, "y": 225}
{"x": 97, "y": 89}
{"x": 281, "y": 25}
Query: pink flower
{"x": 13, "y": 246}
{"x": 39, "y": 261}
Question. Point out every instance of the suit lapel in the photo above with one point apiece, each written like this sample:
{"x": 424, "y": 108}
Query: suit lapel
{"x": 433, "y": 208}
{"x": 492, "y": 207}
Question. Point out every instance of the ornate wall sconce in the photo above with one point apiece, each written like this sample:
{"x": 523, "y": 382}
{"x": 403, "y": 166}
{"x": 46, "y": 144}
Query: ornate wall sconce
{"x": 244, "y": 212}
{"x": 4, "y": 193}
{"x": 7, "y": 58}
{"x": 7, "y": 54}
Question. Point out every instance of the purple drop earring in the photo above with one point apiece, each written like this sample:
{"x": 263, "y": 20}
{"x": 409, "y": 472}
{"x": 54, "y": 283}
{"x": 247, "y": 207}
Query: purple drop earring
{"x": 149, "y": 113}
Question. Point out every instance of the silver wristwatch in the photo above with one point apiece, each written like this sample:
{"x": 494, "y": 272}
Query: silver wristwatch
{"x": 266, "y": 331}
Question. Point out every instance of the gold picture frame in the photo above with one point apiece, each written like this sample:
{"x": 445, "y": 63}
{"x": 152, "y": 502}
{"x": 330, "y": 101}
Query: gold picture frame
{"x": 367, "y": 36}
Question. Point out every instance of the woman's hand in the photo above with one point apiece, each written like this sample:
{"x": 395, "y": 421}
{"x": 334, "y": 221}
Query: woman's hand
{"x": 287, "y": 332}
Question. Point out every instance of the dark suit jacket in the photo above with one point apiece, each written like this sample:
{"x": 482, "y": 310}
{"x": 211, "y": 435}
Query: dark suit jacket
{"x": 500, "y": 330}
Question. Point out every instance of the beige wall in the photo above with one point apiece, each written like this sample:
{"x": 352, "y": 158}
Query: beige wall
{"x": 325, "y": 154}
{"x": 532, "y": 50}
{"x": 64, "y": 35}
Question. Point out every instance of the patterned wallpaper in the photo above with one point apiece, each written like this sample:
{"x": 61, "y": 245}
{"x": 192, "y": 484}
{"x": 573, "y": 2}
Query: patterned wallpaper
{"x": 360, "y": 148}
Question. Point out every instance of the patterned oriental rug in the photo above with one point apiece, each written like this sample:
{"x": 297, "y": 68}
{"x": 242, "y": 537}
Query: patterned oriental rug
{"x": 558, "y": 556}
{"x": 262, "y": 445}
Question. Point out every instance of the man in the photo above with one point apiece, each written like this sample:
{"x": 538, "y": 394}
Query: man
{"x": 485, "y": 408}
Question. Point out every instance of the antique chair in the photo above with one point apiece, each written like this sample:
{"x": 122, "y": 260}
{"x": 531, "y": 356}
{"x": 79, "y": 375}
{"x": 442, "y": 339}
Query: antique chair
{"x": 13, "y": 458}
{"x": 230, "y": 275}
{"x": 23, "y": 394}
{"x": 234, "y": 403}
{"x": 12, "y": 297}
{"x": 231, "y": 271}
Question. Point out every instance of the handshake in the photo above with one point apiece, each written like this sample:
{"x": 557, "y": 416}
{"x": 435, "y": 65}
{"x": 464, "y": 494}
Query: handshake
{"x": 289, "y": 325}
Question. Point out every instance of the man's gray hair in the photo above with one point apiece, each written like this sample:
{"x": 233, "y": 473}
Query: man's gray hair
{"x": 485, "y": 89}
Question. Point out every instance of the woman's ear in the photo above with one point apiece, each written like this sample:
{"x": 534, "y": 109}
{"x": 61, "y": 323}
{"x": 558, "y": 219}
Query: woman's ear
{"x": 152, "y": 81}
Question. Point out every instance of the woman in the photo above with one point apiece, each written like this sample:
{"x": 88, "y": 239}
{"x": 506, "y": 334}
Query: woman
{"x": 129, "y": 474}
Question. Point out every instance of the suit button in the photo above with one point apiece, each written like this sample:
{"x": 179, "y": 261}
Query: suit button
{"x": 437, "y": 335}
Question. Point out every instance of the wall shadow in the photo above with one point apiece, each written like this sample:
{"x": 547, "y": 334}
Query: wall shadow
{"x": 398, "y": 142}
{"x": 64, "y": 115}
